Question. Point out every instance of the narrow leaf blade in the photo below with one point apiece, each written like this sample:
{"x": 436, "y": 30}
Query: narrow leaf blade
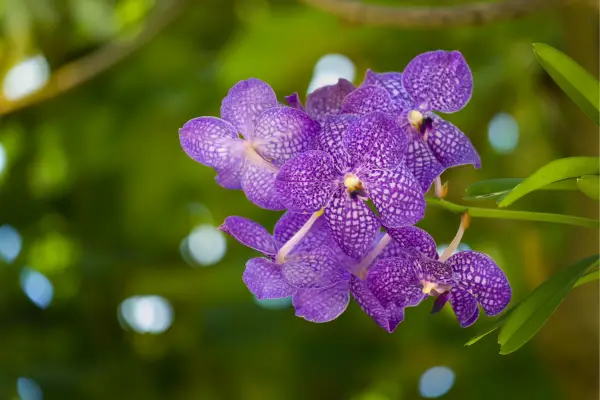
{"x": 575, "y": 81}
{"x": 533, "y": 312}
{"x": 554, "y": 171}
{"x": 497, "y": 188}
{"x": 590, "y": 186}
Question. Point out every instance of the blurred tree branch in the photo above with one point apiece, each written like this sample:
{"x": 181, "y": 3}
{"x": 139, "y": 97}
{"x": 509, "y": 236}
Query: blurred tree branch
{"x": 355, "y": 11}
{"x": 87, "y": 67}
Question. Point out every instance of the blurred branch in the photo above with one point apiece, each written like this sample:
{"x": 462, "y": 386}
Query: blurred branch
{"x": 477, "y": 212}
{"x": 356, "y": 11}
{"x": 87, "y": 67}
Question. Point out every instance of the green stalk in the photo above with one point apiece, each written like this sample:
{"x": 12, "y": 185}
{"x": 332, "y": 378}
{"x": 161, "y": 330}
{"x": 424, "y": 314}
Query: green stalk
{"x": 478, "y": 212}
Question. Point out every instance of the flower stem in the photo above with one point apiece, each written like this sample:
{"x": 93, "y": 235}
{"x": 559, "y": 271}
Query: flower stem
{"x": 294, "y": 240}
{"x": 477, "y": 212}
{"x": 465, "y": 220}
{"x": 365, "y": 263}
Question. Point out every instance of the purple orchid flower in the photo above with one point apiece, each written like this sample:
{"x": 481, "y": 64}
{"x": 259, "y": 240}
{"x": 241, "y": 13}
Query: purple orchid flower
{"x": 252, "y": 140}
{"x": 466, "y": 279}
{"x": 324, "y": 101}
{"x": 433, "y": 81}
{"x": 310, "y": 272}
{"x": 399, "y": 243}
{"x": 357, "y": 158}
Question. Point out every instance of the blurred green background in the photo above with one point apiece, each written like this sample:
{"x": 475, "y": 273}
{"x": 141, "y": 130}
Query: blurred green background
{"x": 114, "y": 283}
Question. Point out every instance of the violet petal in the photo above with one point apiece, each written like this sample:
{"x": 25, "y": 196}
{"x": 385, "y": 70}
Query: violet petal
{"x": 438, "y": 80}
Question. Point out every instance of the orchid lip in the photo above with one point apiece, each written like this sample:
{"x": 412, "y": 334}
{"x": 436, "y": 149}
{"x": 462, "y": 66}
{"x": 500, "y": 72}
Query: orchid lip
{"x": 434, "y": 289}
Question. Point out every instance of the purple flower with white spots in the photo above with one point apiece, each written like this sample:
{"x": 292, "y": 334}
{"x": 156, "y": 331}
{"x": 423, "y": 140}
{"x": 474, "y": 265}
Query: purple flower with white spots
{"x": 358, "y": 159}
{"x": 310, "y": 272}
{"x": 254, "y": 137}
{"x": 327, "y": 100}
{"x": 466, "y": 279}
{"x": 434, "y": 81}
{"x": 375, "y": 301}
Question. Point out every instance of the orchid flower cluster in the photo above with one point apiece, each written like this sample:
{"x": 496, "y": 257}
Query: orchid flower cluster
{"x": 351, "y": 168}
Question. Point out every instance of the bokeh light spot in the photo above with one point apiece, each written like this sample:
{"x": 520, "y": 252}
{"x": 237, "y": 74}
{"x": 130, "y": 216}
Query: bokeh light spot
{"x": 37, "y": 287}
{"x": 206, "y": 244}
{"x": 274, "y": 304}
{"x": 147, "y": 314}
{"x": 503, "y": 133}
{"x": 28, "y": 389}
{"x": 10, "y": 243}
{"x": 26, "y": 77}
{"x": 3, "y": 158}
{"x": 329, "y": 69}
{"x": 436, "y": 382}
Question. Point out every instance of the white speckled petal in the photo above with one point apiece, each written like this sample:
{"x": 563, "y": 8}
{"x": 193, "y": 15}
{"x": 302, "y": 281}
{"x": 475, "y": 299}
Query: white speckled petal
{"x": 464, "y": 306}
{"x": 305, "y": 183}
{"x": 375, "y": 140}
{"x": 327, "y": 100}
{"x": 330, "y": 139}
{"x": 412, "y": 237}
{"x": 282, "y": 133}
{"x": 264, "y": 279}
{"x": 250, "y": 234}
{"x": 396, "y": 195}
{"x": 258, "y": 184}
{"x": 353, "y": 225}
{"x": 212, "y": 142}
{"x": 480, "y": 276}
{"x": 392, "y": 83}
{"x": 422, "y": 163}
{"x": 367, "y": 99}
{"x": 245, "y": 101}
{"x": 450, "y": 146}
{"x": 438, "y": 80}
{"x": 322, "y": 305}
{"x": 318, "y": 268}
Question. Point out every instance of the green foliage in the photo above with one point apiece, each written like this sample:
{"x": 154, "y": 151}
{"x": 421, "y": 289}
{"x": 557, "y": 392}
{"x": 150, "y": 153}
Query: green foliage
{"x": 554, "y": 171}
{"x": 498, "y": 188}
{"x": 589, "y": 185}
{"x": 522, "y": 321}
{"x": 535, "y": 309}
{"x": 575, "y": 81}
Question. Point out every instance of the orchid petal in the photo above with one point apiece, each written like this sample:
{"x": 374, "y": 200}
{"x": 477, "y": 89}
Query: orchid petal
{"x": 264, "y": 279}
{"x": 250, "y": 234}
{"x": 327, "y": 100}
{"x": 305, "y": 183}
{"x": 244, "y": 102}
{"x": 438, "y": 80}
{"x": 479, "y": 275}
{"x": 322, "y": 305}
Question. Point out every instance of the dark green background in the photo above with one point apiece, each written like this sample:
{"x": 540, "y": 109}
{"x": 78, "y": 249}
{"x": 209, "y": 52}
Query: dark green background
{"x": 100, "y": 190}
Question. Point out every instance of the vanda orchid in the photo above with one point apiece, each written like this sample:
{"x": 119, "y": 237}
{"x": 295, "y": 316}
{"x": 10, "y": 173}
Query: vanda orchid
{"x": 351, "y": 167}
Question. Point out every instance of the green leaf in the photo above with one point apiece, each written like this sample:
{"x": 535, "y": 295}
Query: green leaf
{"x": 554, "y": 171}
{"x": 497, "y": 324}
{"x": 575, "y": 81}
{"x": 478, "y": 212}
{"x": 589, "y": 277}
{"x": 590, "y": 186}
{"x": 493, "y": 188}
{"x": 533, "y": 312}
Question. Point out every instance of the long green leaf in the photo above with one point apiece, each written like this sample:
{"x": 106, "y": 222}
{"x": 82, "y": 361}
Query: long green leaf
{"x": 575, "y": 81}
{"x": 588, "y": 277}
{"x": 554, "y": 171}
{"x": 590, "y": 186}
{"x": 493, "y": 188}
{"x": 523, "y": 323}
{"x": 477, "y": 212}
{"x": 497, "y": 324}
